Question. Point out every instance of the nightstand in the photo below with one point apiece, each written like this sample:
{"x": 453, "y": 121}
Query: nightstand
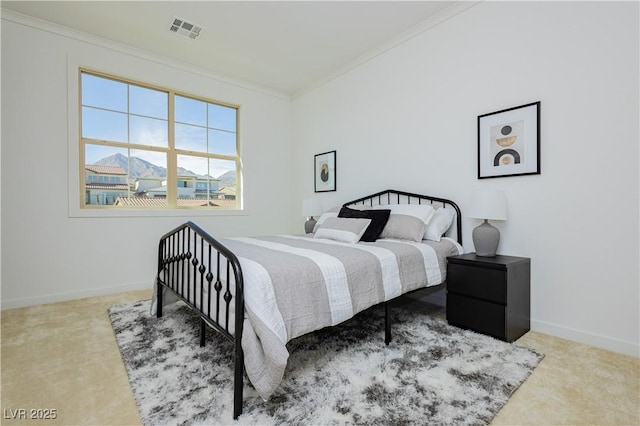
{"x": 490, "y": 295}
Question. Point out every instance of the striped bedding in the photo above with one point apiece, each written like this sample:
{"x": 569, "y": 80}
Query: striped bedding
{"x": 297, "y": 284}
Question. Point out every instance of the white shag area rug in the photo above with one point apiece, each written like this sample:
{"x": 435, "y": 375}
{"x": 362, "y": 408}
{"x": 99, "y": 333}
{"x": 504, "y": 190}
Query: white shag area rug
{"x": 431, "y": 373}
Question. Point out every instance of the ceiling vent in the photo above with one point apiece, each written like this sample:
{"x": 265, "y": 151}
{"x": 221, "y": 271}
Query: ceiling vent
{"x": 185, "y": 29}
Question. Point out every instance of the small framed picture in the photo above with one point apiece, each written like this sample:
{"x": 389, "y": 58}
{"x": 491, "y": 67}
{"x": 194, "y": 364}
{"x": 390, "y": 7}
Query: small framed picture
{"x": 509, "y": 142}
{"x": 325, "y": 172}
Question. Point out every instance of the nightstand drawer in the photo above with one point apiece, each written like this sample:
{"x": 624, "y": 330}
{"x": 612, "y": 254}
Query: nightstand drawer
{"x": 483, "y": 283}
{"x": 477, "y": 315}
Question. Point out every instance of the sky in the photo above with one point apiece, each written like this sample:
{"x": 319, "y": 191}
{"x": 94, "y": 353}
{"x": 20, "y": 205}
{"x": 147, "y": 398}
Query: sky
{"x": 121, "y": 112}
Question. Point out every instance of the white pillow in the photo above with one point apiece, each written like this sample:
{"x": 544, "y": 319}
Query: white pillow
{"x": 439, "y": 224}
{"x": 407, "y": 221}
{"x": 342, "y": 229}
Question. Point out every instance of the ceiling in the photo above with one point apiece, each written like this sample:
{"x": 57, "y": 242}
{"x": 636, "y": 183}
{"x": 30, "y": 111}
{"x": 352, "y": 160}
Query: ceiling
{"x": 284, "y": 46}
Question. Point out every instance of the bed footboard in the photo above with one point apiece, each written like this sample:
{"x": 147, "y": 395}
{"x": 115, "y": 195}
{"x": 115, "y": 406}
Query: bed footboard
{"x": 207, "y": 276}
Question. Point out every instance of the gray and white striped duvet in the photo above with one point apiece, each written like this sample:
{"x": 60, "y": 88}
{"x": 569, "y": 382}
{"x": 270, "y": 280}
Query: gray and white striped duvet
{"x": 296, "y": 284}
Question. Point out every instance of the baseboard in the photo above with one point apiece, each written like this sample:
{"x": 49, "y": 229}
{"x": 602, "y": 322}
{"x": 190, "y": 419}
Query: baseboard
{"x": 581, "y": 336}
{"x": 604, "y": 342}
{"x": 72, "y": 295}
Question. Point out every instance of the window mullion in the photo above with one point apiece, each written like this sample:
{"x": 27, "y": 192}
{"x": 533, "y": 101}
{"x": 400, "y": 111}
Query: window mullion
{"x": 128, "y": 141}
{"x": 172, "y": 158}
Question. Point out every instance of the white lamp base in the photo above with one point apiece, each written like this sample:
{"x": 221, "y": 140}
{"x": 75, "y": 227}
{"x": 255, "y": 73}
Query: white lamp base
{"x": 485, "y": 239}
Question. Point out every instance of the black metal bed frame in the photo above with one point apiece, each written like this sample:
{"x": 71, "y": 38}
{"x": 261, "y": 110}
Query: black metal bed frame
{"x": 183, "y": 251}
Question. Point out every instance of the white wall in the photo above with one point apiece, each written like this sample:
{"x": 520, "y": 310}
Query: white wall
{"x": 49, "y": 256}
{"x": 407, "y": 120}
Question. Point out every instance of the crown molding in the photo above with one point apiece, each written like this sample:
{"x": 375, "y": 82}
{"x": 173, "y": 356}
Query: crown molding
{"x": 46, "y": 26}
{"x": 411, "y": 33}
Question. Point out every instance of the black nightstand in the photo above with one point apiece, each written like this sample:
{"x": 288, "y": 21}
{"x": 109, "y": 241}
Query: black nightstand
{"x": 490, "y": 295}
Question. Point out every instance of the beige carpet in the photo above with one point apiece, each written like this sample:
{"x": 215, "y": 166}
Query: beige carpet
{"x": 64, "y": 357}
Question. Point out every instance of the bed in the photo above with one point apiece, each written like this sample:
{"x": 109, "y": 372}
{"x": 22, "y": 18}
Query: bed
{"x": 262, "y": 292}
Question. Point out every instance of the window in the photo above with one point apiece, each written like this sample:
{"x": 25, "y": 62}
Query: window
{"x": 150, "y": 147}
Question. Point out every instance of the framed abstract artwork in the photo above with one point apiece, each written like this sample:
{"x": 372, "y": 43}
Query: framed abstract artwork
{"x": 509, "y": 142}
{"x": 325, "y": 172}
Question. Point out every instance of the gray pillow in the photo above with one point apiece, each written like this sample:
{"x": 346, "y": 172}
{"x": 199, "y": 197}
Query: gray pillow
{"x": 404, "y": 227}
{"x": 407, "y": 221}
{"x": 342, "y": 229}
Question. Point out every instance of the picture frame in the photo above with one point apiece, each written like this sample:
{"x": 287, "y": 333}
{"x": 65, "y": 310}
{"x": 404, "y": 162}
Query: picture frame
{"x": 325, "y": 172}
{"x": 509, "y": 142}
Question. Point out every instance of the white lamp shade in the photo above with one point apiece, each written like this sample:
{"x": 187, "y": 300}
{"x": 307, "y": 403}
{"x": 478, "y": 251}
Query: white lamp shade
{"x": 311, "y": 207}
{"x": 490, "y": 204}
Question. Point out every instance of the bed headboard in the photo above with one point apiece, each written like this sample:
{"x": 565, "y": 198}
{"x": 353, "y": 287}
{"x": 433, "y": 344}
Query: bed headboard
{"x": 392, "y": 196}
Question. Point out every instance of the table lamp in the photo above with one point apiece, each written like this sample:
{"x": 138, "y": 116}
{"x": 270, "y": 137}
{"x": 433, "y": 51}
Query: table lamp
{"x": 487, "y": 204}
{"x": 310, "y": 208}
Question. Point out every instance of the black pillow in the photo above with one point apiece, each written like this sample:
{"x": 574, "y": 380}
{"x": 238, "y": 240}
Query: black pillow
{"x": 378, "y": 218}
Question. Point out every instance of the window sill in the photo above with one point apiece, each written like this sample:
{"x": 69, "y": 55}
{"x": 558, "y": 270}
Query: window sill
{"x": 117, "y": 212}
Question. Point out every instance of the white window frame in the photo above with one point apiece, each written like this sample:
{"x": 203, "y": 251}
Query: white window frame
{"x": 76, "y": 166}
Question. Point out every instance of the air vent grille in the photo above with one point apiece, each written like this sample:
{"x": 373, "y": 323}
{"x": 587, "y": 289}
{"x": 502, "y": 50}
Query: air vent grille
{"x": 185, "y": 29}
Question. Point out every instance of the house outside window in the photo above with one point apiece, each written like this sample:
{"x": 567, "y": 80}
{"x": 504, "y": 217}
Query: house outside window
{"x": 143, "y": 146}
{"x": 105, "y": 184}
